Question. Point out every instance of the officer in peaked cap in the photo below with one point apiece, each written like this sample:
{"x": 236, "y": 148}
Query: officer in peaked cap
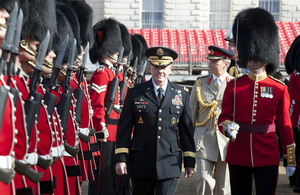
{"x": 161, "y": 56}
{"x": 211, "y": 145}
{"x": 153, "y": 158}
{"x": 217, "y": 53}
{"x": 251, "y": 123}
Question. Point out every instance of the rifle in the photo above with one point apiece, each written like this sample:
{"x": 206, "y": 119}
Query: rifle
{"x": 141, "y": 72}
{"x": 134, "y": 70}
{"x": 13, "y": 55}
{"x": 49, "y": 98}
{"x": 33, "y": 103}
{"x": 123, "y": 83}
{"x": 6, "y": 46}
{"x": 79, "y": 93}
{"x": 111, "y": 97}
{"x": 64, "y": 103}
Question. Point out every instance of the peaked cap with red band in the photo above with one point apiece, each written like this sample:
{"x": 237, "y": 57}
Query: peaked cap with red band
{"x": 217, "y": 53}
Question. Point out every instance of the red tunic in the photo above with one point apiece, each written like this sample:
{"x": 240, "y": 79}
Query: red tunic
{"x": 254, "y": 149}
{"x": 99, "y": 82}
{"x": 294, "y": 89}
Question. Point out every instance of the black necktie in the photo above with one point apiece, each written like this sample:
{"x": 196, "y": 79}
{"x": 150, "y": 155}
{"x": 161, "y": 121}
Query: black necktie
{"x": 160, "y": 95}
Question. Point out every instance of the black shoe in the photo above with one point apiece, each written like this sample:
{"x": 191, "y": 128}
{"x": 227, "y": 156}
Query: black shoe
{"x": 296, "y": 189}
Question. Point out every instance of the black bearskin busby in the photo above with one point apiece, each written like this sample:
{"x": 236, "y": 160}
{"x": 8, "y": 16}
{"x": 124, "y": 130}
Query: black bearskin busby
{"x": 85, "y": 17}
{"x": 67, "y": 23}
{"x": 258, "y": 38}
{"x": 7, "y": 4}
{"x": 39, "y": 16}
{"x": 126, "y": 39}
{"x": 136, "y": 49}
{"x": 108, "y": 40}
{"x": 144, "y": 59}
{"x": 290, "y": 62}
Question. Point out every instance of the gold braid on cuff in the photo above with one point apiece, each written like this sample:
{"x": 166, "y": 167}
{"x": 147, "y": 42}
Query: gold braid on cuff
{"x": 189, "y": 154}
{"x": 291, "y": 155}
{"x": 122, "y": 150}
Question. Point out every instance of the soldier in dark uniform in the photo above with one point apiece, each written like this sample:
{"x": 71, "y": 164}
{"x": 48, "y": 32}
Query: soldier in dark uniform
{"x": 159, "y": 112}
{"x": 250, "y": 106}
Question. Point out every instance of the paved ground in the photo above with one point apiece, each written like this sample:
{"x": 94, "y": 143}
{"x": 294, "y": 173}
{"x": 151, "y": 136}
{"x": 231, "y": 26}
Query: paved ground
{"x": 187, "y": 186}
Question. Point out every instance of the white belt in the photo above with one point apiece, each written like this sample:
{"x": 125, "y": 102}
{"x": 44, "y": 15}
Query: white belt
{"x": 67, "y": 154}
{"x": 6, "y": 162}
{"x": 32, "y": 158}
{"x": 84, "y": 131}
{"x": 58, "y": 151}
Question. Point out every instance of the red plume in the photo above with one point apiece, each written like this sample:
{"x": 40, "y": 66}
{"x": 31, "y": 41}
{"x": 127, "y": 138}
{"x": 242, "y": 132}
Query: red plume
{"x": 100, "y": 36}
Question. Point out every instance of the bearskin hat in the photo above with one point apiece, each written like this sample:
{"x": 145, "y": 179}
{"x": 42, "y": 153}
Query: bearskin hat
{"x": 67, "y": 23}
{"x": 126, "y": 39}
{"x": 37, "y": 20}
{"x": 296, "y": 63}
{"x": 144, "y": 58}
{"x": 108, "y": 40}
{"x": 290, "y": 62}
{"x": 136, "y": 49}
{"x": 258, "y": 38}
{"x": 85, "y": 17}
{"x": 7, "y": 4}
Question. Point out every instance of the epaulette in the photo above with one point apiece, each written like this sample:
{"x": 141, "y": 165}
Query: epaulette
{"x": 237, "y": 78}
{"x": 203, "y": 76}
{"x": 100, "y": 67}
{"x": 131, "y": 86}
{"x": 276, "y": 80}
{"x": 185, "y": 89}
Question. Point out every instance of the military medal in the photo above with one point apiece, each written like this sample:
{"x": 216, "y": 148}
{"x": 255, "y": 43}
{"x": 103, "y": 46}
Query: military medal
{"x": 271, "y": 92}
{"x": 262, "y": 92}
{"x": 177, "y": 100}
{"x": 173, "y": 121}
{"x": 267, "y": 92}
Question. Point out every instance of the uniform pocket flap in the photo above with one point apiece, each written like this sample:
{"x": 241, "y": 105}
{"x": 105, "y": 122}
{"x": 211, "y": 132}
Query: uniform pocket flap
{"x": 174, "y": 146}
{"x": 137, "y": 145}
{"x": 176, "y": 109}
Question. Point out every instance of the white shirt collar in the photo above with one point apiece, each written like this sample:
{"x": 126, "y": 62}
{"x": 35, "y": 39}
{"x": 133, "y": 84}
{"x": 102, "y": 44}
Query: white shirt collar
{"x": 164, "y": 87}
{"x": 221, "y": 78}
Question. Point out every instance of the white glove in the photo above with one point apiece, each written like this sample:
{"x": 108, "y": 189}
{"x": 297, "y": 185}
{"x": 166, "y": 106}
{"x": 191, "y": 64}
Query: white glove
{"x": 232, "y": 129}
{"x": 289, "y": 170}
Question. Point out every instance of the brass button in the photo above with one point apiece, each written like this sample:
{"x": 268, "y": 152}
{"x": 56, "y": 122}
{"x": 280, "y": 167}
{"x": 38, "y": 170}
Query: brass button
{"x": 177, "y": 112}
{"x": 253, "y": 120}
{"x": 256, "y": 87}
{"x": 254, "y": 111}
{"x": 255, "y": 105}
{"x": 254, "y": 114}
{"x": 140, "y": 111}
{"x": 158, "y": 137}
{"x": 159, "y": 128}
{"x": 256, "y": 96}
{"x": 256, "y": 92}
{"x": 255, "y": 101}
{"x": 160, "y": 119}
{"x": 160, "y": 110}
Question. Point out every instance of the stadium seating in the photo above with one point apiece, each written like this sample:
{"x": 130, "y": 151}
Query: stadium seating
{"x": 192, "y": 45}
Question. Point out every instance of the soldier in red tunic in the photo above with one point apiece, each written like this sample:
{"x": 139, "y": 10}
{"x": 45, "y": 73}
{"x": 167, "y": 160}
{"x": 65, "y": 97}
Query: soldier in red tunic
{"x": 7, "y": 126}
{"x": 293, "y": 69}
{"x": 108, "y": 44}
{"x": 251, "y": 104}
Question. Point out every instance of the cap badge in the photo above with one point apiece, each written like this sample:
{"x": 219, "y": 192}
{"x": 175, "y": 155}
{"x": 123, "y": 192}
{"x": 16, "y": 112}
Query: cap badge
{"x": 211, "y": 52}
{"x": 160, "y": 52}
